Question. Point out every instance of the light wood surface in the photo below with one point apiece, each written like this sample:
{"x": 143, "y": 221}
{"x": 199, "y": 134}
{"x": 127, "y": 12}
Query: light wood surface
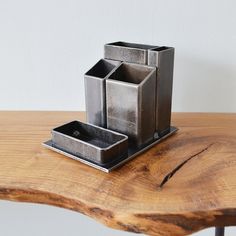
{"x": 180, "y": 186}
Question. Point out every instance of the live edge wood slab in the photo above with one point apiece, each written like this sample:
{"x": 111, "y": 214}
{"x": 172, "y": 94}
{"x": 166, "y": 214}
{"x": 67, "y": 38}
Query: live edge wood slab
{"x": 182, "y": 185}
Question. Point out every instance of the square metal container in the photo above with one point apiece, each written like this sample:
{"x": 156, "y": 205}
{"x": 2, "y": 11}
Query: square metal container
{"x": 95, "y": 91}
{"x": 90, "y": 142}
{"x": 163, "y": 59}
{"x": 127, "y": 52}
{"x": 130, "y": 92}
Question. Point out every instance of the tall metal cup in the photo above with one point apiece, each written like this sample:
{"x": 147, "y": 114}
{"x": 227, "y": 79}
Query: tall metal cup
{"x": 130, "y": 99}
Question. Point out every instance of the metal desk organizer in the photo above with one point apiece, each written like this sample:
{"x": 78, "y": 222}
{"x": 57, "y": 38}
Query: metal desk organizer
{"x": 128, "y": 107}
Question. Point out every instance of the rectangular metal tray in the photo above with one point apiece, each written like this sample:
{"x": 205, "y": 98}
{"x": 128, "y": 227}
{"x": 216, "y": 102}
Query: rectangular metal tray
{"x": 90, "y": 142}
{"x": 107, "y": 167}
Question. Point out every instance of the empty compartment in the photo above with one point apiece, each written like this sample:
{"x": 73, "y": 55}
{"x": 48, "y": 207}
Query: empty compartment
{"x": 95, "y": 91}
{"x": 90, "y": 142}
{"x": 127, "y": 52}
{"x": 130, "y": 92}
{"x": 158, "y": 49}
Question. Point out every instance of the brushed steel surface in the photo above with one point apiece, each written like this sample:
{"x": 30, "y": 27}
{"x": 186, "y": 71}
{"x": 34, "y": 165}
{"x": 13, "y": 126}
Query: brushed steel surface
{"x": 95, "y": 91}
{"x": 127, "y": 52}
{"x": 132, "y": 153}
{"x": 130, "y": 93}
{"x": 90, "y": 142}
{"x": 163, "y": 59}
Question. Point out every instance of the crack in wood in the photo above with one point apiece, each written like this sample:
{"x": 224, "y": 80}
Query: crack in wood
{"x": 171, "y": 174}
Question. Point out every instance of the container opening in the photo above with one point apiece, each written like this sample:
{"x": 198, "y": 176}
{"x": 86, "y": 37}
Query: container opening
{"x": 131, "y": 73}
{"x": 131, "y": 45}
{"x": 160, "y": 48}
{"x": 101, "y": 69}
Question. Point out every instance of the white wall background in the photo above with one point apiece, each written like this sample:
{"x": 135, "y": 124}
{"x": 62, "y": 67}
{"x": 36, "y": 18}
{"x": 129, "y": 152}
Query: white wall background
{"x": 47, "y": 45}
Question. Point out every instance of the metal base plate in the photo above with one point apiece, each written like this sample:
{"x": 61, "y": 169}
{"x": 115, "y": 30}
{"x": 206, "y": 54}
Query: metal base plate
{"x": 132, "y": 152}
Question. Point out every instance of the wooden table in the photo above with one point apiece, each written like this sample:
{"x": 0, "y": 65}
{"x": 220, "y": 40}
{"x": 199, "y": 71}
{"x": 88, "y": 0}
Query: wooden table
{"x": 180, "y": 186}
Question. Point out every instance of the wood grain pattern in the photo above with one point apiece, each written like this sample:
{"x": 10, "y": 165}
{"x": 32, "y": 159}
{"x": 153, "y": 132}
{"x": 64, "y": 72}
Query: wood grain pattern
{"x": 180, "y": 186}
